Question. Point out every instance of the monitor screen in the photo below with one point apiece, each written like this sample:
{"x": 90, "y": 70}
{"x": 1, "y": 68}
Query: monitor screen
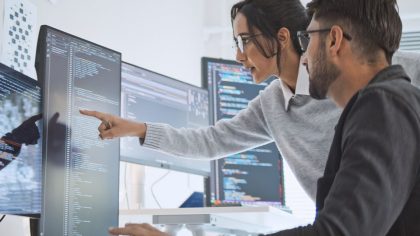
{"x": 253, "y": 177}
{"x": 80, "y": 170}
{"x": 151, "y": 97}
{"x": 20, "y": 144}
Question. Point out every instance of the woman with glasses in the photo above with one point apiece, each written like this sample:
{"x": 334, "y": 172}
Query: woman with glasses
{"x": 265, "y": 33}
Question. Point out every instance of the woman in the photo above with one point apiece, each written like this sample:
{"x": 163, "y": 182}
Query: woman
{"x": 282, "y": 112}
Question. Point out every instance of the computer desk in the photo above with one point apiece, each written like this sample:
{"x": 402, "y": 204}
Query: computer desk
{"x": 226, "y": 220}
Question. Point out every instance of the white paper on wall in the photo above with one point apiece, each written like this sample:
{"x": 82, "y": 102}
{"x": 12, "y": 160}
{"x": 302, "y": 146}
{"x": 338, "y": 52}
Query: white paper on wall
{"x": 19, "y": 36}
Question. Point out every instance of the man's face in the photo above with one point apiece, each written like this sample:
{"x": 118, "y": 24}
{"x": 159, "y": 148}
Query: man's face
{"x": 322, "y": 72}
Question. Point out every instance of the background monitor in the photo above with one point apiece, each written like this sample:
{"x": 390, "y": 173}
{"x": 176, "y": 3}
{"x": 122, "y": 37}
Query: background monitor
{"x": 21, "y": 164}
{"x": 254, "y": 177}
{"x": 81, "y": 171}
{"x": 151, "y": 97}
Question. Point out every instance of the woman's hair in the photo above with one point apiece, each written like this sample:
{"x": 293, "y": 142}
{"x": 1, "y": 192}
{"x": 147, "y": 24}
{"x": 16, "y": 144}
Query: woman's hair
{"x": 268, "y": 16}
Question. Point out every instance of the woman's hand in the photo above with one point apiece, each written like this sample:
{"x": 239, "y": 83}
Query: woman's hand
{"x": 115, "y": 127}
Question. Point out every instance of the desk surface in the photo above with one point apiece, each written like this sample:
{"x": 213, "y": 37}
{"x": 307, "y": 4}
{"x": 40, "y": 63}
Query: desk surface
{"x": 259, "y": 219}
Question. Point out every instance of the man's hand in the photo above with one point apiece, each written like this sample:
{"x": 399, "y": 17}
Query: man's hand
{"x": 115, "y": 127}
{"x": 137, "y": 230}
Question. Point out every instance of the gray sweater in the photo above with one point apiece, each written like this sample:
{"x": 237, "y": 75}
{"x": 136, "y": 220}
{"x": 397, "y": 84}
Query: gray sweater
{"x": 303, "y": 131}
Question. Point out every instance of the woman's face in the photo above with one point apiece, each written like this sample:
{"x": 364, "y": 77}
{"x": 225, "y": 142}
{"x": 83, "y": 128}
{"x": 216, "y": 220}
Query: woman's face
{"x": 260, "y": 66}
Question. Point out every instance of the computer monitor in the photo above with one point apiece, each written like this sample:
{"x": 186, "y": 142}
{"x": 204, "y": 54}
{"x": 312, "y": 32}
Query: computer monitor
{"x": 151, "y": 97}
{"x": 20, "y": 144}
{"x": 81, "y": 171}
{"x": 254, "y": 177}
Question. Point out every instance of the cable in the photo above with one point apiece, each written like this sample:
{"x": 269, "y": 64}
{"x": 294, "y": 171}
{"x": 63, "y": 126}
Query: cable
{"x": 125, "y": 185}
{"x": 153, "y": 185}
{"x": 2, "y": 218}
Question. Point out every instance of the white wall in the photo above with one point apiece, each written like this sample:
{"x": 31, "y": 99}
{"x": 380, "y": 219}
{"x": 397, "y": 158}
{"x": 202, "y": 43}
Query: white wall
{"x": 161, "y": 35}
{"x": 15, "y": 226}
{"x": 410, "y": 14}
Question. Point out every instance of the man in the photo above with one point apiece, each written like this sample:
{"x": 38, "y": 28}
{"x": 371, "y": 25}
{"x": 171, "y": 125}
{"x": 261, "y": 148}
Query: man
{"x": 371, "y": 184}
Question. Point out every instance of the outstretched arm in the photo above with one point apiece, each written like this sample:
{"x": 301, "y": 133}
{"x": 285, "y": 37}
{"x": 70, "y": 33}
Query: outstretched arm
{"x": 246, "y": 130}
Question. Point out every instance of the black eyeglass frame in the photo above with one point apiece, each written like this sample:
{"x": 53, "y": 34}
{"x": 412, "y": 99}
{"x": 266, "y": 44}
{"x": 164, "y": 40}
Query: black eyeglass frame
{"x": 242, "y": 40}
{"x": 304, "y": 39}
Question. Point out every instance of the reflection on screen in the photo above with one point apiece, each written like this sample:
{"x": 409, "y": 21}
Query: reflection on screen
{"x": 81, "y": 171}
{"x": 254, "y": 177}
{"x": 21, "y": 175}
{"x": 151, "y": 97}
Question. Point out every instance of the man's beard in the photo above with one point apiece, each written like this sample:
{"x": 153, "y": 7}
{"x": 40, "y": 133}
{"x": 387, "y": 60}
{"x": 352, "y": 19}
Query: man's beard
{"x": 323, "y": 74}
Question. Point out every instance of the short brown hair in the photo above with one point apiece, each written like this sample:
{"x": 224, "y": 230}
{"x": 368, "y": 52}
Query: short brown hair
{"x": 373, "y": 24}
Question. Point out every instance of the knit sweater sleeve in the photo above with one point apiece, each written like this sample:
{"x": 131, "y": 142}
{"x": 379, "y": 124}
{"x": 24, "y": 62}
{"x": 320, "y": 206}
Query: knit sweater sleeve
{"x": 248, "y": 129}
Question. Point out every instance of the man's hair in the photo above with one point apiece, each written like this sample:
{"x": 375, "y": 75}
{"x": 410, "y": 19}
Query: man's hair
{"x": 268, "y": 16}
{"x": 372, "y": 24}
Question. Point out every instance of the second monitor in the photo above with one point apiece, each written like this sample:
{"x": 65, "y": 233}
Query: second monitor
{"x": 151, "y": 97}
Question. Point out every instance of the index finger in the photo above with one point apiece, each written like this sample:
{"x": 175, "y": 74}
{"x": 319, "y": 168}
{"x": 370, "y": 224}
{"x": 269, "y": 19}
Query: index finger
{"x": 138, "y": 231}
{"x": 143, "y": 225}
{"x": 95, "y": 114}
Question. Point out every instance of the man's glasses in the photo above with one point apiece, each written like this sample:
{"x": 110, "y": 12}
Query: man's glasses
{"x": 242, "y": 40}
{"x": 304, "y": 37}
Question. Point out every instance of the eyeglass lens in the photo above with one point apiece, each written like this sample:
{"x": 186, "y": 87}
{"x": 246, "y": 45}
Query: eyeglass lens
{"x": 303, "y": 41}
{"x": 240, "y": 43}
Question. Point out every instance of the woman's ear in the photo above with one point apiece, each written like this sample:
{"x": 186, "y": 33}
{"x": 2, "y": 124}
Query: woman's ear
{"x": 283, "y": 37}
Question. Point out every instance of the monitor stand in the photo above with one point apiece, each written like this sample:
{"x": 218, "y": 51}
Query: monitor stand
{"x": 34, "y": 226}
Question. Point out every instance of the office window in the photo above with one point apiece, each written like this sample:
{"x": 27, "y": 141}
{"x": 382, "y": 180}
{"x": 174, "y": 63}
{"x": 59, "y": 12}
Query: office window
{"x": 410, "y": 41}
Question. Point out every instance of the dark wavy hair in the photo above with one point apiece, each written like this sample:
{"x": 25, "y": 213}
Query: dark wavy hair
{"x": 268, "y": 16}
{"x": 373, "y": 24}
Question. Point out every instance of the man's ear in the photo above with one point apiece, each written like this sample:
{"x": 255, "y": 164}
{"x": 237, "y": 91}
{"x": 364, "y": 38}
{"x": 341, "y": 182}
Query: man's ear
{"x": 335, "y": 41}
{"x": 283, "y": 37}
